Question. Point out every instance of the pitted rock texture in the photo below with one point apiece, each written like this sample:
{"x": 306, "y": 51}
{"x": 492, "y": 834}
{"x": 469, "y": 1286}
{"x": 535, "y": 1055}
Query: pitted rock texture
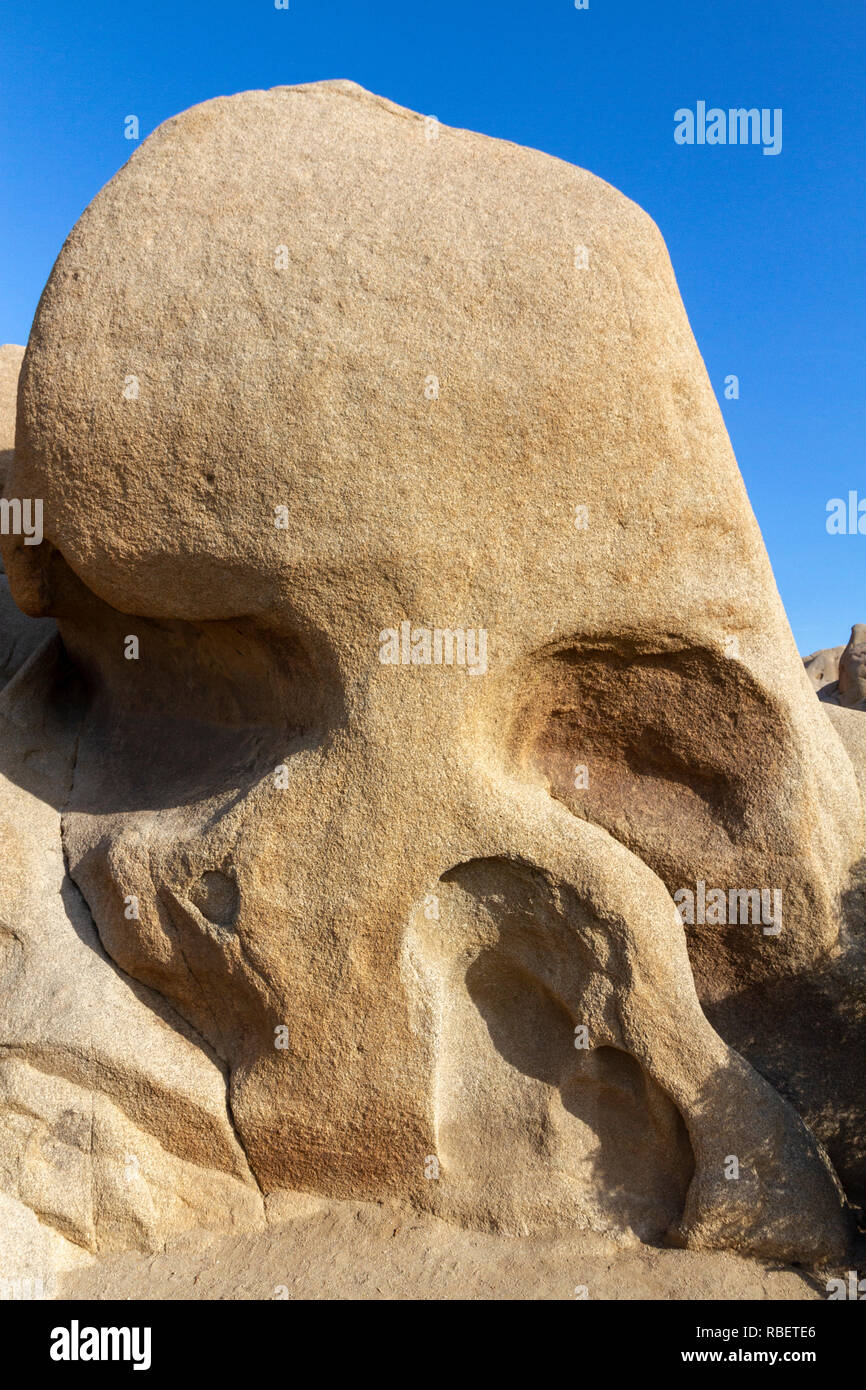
{"x": 19, "y": 635}
{"x": 114, "y": 1127}
{"x": 822, "y": 667}
{"x": 309, "y": 387}
{"x": 848, "y": 689}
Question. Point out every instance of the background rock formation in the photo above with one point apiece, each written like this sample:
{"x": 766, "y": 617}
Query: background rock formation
{"x": 822, "y": 667}
{"x": 839, "y": 674}
{"x": 19, "y": 635}
{"x": 10, "y": 365}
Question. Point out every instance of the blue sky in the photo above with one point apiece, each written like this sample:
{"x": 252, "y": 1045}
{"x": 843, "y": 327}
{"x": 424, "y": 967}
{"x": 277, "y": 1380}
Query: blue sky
{"x": 768, "y": 251}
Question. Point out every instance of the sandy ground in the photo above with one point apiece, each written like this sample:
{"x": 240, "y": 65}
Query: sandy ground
{"x": 350, "y": 1250}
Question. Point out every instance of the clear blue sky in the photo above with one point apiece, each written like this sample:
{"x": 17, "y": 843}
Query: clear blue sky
{"x": 768, "y": 251}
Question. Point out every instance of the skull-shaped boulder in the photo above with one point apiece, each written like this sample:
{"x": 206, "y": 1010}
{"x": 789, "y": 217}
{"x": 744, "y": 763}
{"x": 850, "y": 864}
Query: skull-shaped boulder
{"x": 432, "y": 651}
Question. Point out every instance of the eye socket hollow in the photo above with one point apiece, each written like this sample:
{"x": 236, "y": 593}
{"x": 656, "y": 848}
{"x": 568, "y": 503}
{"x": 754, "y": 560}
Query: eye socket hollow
{"x": 668, "y": 750}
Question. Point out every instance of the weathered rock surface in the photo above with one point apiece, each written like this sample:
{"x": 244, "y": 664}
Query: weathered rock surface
{"x": 19, "y": 635}
{"x": 113, "y": 1121}
{"x": 312, "y": 382}
{"x": 852, "y": 670}
{"x": 11, "y": 356}
{"x": 350, "y": 1250}
{"x": 839, "y": 674}
{"x": 849, "y": 689}
{"x": 822, "y": 667}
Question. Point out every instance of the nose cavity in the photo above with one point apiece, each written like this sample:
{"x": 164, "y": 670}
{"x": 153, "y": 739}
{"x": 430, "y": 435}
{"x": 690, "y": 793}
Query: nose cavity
{"x": 217, "y": 897}
{"x": 533, "y": 1125}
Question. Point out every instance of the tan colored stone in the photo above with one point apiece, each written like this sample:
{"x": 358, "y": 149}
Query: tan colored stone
{"x": 822, "y": 667}
{"x": 839, "y": 674}
{"x": 298, "y": 299}
{"x": 852, "y": 670}
{"x": 72, "y": 1156}
{"x": 19, "y": 635}
{"x": 349, "y": 1250}
{"x": 33, "y": 1255}
{"x": 113, "y": 1120}
{"x": 11, "y": 356}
